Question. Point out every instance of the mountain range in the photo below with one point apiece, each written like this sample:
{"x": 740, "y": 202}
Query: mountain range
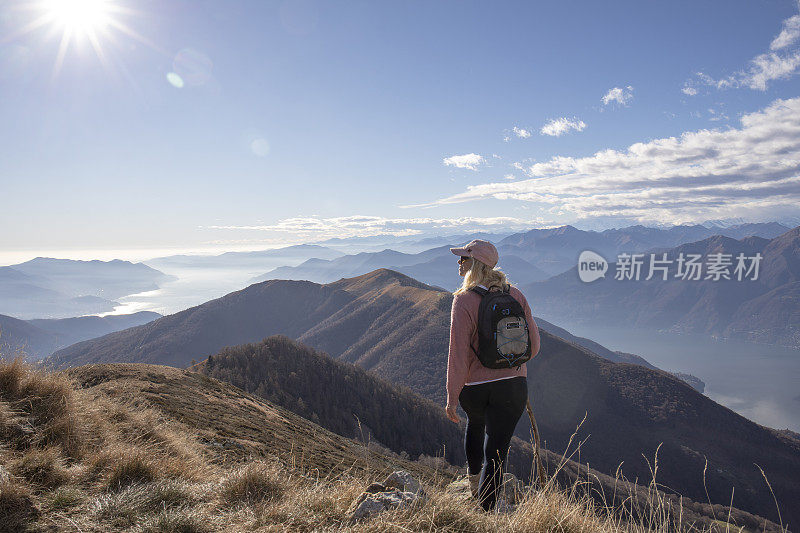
{"x": 765, "y": 309}
{"x": 59, "y": 288}
{"x": 525, "y": 257}
{"x": 287, "y": 255}
{"x": 433, "y": 266}
{"x": 397, "y": 328}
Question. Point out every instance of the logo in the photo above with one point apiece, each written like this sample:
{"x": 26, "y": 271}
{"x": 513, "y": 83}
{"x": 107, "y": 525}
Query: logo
{"x": 591, "y": 266}
{"x": 718, "y": 266}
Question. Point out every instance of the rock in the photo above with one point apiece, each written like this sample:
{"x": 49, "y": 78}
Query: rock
{"x": 511, "y": 492}
{"x": 513, "y": 489}
{"x": 504, "y": 507}
{"x": 376, "y": 487}
{"x": 371, "y": 504}
{"x": 398, "y": 490}
{"x": 460, "y": 488}
{"x": 403, "y": 481}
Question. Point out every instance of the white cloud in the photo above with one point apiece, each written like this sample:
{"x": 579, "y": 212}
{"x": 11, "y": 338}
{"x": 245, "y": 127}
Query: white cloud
{"x": 618, "y": 94}
{"x": 691, "y": 91}
{"x": 781, "y": 62}
{"x": 763, "y": 68}
{"x": 522, "y": 133}
{"x": 306, "y": 228}
{"x": 559, "y": 126}
{"x": 768, "y": 67}
{"x": 788, "y": 35}
{"x": 716, "y": 116}
{"x": 470, "y": 161}
{"x": 746, "y": 171}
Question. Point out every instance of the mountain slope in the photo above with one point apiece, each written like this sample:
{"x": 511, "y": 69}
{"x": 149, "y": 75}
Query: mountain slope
{"x": 150, "y": 448}
{"x": 398, "y": 328}
{"x": 338, "y": 396}
{"x": 226, "y": 416}
{"x": 615, "y": 356}
{"x": 646, "y": 408}
{"x": 76, "y": 329}
{"x": 332, "y": 394}
{"x": 248, "y": 315}
{"x": 21, "y": 336}
{"x": 38, "y": 338}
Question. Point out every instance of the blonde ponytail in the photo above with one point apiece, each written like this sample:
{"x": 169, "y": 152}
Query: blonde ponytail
{"x": 482, "y": 274}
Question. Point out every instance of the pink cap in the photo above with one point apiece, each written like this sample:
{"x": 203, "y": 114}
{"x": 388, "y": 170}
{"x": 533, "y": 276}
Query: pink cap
{"x": 483, "y": 251}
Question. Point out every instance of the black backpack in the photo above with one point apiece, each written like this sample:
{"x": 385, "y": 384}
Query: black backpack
{"x": 503, "y": 338}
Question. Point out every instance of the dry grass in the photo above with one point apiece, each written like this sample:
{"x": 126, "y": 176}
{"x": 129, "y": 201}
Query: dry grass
{"x": 65, "y": 498}
{"x": 254, "y": 482}
{"x": 176, "y": 521}
{"x": 17, "y": 506}
{"x": 135, "y": 467}
{"x": 42, "y": 468}
{"x": 125, "y": 507}
{"x": 39, "y": 408}
{"x": 122, "y": 466}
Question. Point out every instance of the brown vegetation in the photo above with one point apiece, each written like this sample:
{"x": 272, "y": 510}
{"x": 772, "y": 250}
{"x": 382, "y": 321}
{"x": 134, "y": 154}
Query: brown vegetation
{"x": 396, "y": 328}
{"x": 340, "y": 397}
{"x": 158, "y": 449}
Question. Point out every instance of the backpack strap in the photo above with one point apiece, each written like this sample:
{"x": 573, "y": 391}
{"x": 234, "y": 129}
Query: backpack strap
{"x": 480, "y": 290}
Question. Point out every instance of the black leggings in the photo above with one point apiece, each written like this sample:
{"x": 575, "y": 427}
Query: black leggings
{"x": 495, "y": 407}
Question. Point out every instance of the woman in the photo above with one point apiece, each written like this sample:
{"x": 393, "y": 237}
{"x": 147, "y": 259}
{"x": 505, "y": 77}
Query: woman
{"x": 493, "y": 399}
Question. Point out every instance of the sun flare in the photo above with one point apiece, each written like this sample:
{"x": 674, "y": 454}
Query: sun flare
{"x": 79, "y": 16}
{"x": 78, "y": 22}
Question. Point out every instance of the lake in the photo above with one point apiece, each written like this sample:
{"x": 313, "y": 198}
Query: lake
{"x": 759, "y": 382}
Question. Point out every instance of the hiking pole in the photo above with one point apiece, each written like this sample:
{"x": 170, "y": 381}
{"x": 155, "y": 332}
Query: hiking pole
{"x": 536, "y": 452}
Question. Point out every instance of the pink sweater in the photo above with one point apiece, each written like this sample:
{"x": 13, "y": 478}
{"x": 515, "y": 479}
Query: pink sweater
{"x": 463, "y": 365}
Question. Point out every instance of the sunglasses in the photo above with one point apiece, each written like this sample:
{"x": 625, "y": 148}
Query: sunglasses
{"x": 462, "y": 259}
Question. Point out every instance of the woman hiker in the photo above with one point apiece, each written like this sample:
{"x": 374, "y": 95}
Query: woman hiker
{"x": 492, "y": 398}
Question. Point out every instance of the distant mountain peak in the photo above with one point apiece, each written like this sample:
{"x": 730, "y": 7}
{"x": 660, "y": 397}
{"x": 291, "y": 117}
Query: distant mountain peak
{"x": 380, "y": 274}
{"x": 379, "y": 279}
{"x": 566, "y": 228}
{"x": 724, "y": 223}
{"x": 388, "y": 252}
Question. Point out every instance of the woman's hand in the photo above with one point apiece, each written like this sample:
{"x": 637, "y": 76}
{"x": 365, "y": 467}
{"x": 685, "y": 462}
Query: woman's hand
{"x": 451, "y": 413}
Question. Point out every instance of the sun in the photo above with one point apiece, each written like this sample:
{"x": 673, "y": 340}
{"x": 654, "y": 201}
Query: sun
{"x": 80, "y": 16}
{"x": 75, "y": 22}
{"x": 80, "y": 20}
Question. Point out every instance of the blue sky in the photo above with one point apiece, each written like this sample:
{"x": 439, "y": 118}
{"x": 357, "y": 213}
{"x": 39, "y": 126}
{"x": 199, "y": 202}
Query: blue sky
{"x": 302, "y": 120}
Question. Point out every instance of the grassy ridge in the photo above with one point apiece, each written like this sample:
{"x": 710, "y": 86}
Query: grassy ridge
{"x": 157, "y": 449}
